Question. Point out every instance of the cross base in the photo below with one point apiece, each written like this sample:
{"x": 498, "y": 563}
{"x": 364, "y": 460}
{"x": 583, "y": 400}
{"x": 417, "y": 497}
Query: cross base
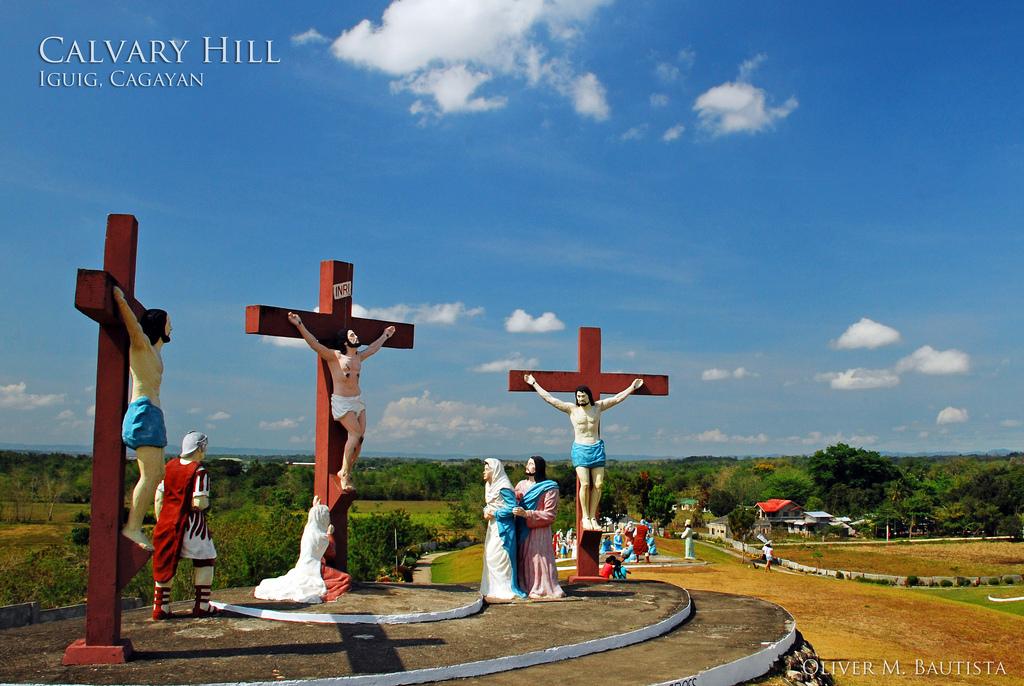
{"x": 577, "y": 579}
{"x": 588, "y": 562}
{"x": 78, "y": 653}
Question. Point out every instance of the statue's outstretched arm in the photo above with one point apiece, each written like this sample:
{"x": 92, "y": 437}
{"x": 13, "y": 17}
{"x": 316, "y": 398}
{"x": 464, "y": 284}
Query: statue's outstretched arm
{"x": 317, "y": 347}
{"x": 377, "y": 344}
{"x": 619, "y": 397}
{"x": 548, "y": 398}
{"x": 136, "y": 335}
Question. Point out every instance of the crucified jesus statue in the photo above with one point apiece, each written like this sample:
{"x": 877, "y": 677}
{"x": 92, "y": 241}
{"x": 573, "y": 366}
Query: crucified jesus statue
{"x": 347, "y": 406}
{"x": 587, "y": 447}
{"x": 143, "y": 429}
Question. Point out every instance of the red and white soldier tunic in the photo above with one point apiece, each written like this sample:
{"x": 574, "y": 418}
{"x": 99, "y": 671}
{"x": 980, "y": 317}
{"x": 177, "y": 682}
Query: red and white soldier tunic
{"x": 181, "y": 531}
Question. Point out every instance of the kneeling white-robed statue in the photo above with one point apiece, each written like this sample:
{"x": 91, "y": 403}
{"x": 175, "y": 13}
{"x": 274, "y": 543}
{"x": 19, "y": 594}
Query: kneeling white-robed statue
{"x": 304, "y": 583}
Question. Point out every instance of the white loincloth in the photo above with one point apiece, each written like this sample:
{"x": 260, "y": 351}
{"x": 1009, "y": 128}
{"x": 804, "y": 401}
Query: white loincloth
{"x": 343, "y": 404}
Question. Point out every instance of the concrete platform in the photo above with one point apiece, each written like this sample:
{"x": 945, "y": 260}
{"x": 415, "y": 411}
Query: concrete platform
{"x": 232, "y": 649}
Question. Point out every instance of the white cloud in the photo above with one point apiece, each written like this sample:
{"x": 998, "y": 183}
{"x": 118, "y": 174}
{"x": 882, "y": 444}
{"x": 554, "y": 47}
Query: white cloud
{"x": 277, "y": 425}
{"x": 817, "y": 438}
{"x": 715, "y": 374}
{"x": 659, "y": 100}
{"x": 748, "y": 67}
{"x": 448, "y": 48}
{"x": 66, "y": 414}
{"x": 667, "y": 72}
{"x": 952, "y": 415}
{"x": 739, "y": 106}
{"x": 928, "y": 360}
{"x": 194, "y": 410}
{"x": 282, "y": 342}
{"x": 90, "y": 411}
{"x": 719, "y": 436}
{"x": 1010, "y": 423}
{"x": 589, "y": 98}
{"x": 218, "y": 416}
{"x": 412, "y": 417}
{"x": 866, "y": 333}
{"x": 451, "y": 88}
{"x": 712, "y": 436}
{"x": 635, "y": 133}
{"x": 860, "y": 379}
{"x": 516, "y": 361}
{"x": 441, "y": 313}
{"x": 521, "y": 322}
{"x": 687, "y": 57}
{"x": 14, "y": 397}
{"x": 311, "y": 35}
{"x": 673, "y": 133}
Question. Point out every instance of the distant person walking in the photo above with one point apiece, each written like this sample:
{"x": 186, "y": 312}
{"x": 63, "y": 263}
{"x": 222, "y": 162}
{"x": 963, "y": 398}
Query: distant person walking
{"x": 767, "y": 551}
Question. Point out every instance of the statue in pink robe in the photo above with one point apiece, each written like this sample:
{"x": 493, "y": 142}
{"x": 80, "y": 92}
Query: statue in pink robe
{"x": 538, "y": 506}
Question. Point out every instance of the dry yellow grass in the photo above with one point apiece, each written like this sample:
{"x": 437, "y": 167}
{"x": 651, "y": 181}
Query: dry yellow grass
{"x": 981, "y": 558}
{"x": 847, "y": 621}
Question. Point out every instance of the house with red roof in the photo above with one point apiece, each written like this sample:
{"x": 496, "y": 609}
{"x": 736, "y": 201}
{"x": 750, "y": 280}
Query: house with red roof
{"x": 779, "y": 510}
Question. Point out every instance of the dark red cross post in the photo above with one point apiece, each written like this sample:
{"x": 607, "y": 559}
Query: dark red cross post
{"x": 113, "y": 559}
{"x": 335, "y": 315}
{"x": 588, "y": 374}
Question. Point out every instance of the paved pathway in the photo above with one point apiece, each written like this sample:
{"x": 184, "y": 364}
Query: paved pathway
{"x": 421, "y": 574}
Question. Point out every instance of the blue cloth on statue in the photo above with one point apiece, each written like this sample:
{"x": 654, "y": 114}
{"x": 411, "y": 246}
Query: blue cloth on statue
{"x": 628, "y": 555}
{"x": 606, "y": 546}
{"x": 588, "y": 456}
{"x": 143, "y": 425}
{"x": 651, "y": 547}
{"x": 507, "y": 531}
{"x": 617, "y": 541}
{"x": 530, "y": 501}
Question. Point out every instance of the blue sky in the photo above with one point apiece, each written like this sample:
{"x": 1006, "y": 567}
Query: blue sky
{"x": 808, "y": 216}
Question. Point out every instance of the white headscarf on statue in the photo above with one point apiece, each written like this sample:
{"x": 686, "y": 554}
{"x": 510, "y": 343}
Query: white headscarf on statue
{"x": 499, "y": 480}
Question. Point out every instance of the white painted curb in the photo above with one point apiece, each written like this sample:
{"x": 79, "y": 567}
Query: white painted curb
{"x": 743, "y": 669}
{"x": 327, "y": 618}
{"x": 1005, "y": 600}
{"x": 498, "y": 664}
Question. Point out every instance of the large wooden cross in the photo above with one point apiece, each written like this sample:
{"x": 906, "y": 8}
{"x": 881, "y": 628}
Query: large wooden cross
{"x": 335, "y": 315}
{"x": 588, "y": 374}
{"x": 113, "y": 559}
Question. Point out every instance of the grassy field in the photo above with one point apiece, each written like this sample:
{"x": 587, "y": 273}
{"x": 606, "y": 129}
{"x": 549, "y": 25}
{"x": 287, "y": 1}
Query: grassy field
{"x": 979, "y": 596}
{"x": 459, "y": 567}
{"x": 975, "y": 558}
{"x": 848, "y": 621}
{"x": 426, "y": 512}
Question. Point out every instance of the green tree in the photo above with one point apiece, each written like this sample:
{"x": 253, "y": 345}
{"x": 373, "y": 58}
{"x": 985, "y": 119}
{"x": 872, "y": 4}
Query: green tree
{"x": 741, "y": 522}
{"x": 377, "y": 541}
{"x": 721, "y": 502}
{"x": 659, "y": 505}
{"x": 789, "y": 483}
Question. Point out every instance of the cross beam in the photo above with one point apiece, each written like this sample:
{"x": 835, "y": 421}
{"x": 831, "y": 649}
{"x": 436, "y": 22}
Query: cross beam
{"x": 113, "y": 559}
{"x": 588, "y": 374}
{"x": 335, "y": 315}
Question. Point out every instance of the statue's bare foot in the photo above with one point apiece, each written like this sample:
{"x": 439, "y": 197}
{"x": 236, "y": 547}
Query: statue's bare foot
{"x": 346, "y": 482}
{"x": 138, "y": 538}
{"x": 591, "y": 524}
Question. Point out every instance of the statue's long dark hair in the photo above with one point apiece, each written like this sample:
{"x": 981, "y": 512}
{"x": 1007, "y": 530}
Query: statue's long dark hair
{"x": 541, "y": 467}
{"x": 154, "y": 325}
{"x": 586, "y": 389}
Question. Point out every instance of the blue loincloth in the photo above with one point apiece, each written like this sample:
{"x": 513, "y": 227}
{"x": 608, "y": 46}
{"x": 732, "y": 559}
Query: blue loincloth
{"x": 143, "y": 425}
{"x": 588, "y": 456}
